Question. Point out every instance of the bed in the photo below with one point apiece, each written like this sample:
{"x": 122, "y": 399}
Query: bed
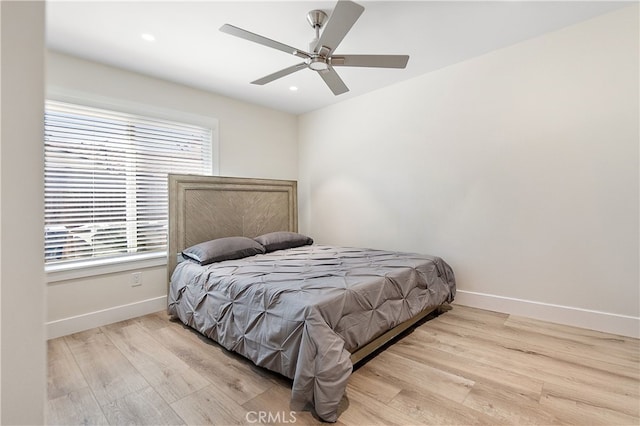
{"x": 306, "y": 311}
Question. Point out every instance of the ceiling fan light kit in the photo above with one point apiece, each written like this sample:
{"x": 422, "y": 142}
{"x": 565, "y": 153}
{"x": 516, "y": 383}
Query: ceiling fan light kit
{"x": 318, "y": 63}
{"x": 321, "y": 58}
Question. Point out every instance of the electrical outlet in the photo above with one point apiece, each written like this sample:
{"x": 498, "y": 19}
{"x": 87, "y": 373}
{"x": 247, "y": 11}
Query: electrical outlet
{"x": 136, "y": 279}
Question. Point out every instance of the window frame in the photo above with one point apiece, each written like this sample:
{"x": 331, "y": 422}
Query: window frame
{"x": 93, "y": 267}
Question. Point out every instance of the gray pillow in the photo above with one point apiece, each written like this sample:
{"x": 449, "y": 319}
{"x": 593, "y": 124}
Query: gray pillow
{"x": 220, "y": 249}
{"x": 283, "y": 240}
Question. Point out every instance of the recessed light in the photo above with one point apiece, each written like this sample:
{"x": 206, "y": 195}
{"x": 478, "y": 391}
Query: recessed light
{"x": 293, "y": 88}
{"x": 148, "y": 37}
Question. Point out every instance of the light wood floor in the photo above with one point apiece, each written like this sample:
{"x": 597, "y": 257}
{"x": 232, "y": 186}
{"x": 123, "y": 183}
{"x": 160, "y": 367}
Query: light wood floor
{"x": 467, "y": 366}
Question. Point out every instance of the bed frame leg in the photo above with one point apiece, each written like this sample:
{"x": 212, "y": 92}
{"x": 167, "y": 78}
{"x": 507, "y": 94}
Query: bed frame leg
{"x": 444, "y": 308}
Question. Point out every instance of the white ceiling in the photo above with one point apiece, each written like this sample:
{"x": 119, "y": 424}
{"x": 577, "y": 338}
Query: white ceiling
{"x": 189, "y": 48}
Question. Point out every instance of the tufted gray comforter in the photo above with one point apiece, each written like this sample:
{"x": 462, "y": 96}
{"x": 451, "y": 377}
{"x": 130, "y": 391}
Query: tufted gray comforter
{"x": 302, "y": 311}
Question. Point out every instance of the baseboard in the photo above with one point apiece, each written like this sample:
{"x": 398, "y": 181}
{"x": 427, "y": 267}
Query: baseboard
{"x": 594, "y": 320}
{"x": 91, "y": 320}
{"x": 622, "y": 325}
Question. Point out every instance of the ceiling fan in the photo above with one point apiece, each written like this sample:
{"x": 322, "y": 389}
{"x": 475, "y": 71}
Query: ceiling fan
{"x": 321, "y": 57}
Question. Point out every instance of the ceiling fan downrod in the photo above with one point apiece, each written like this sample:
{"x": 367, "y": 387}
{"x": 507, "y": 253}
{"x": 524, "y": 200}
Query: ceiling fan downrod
{"x": 316, "y": 19}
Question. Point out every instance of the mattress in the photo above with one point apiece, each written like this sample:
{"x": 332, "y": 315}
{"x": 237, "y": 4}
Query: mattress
{"x": 301, "y": 312}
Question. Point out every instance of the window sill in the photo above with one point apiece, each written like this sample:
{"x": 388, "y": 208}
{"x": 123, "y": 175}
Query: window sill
{"x": 90, "y": 268}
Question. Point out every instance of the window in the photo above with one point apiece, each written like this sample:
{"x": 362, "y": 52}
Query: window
{"x": 106, "y": 180}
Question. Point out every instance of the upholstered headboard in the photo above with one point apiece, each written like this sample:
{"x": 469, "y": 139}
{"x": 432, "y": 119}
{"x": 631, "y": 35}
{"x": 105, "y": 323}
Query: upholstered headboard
{"x": 203, "y": 208}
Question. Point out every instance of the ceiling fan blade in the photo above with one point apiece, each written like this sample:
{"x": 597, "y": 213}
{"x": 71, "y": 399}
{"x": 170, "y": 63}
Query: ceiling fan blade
{"x": 344, "y": 15}
{"x": 333, "y": 80}
{"x": 374, "y": 61}
{"x": 276, "y": 75}
{"x": 247, "y": 35}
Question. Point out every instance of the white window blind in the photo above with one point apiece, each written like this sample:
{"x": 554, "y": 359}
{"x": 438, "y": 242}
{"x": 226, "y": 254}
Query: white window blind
{"x": 106, "y": 180}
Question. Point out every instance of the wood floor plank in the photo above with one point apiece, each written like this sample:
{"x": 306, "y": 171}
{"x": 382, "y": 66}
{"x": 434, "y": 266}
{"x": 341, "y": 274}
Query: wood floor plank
{"x": 481, "y": 317}
{"x": 78, "y": 407}
{"x": 582, "y": 408}
{"x": 429, "y": 408}
{"x": 145, "y": 407}
{"x": 374, "y": 384}
{"x": 614, "y": 343}
{"x": 608, "y": 388}
{"x": 542, "y": 366}
{"x": 509, "y": 407}
{"x": 154, "y": 322}
{"x": 238, "y": 377}
{"x": 627, "y": 405}
{"x": 109, "y": 374}
{"x": 364, "y": 410}
{"x": 413, "y": 347}
{"x": 595, "y": 355}
{"x": 210, "y": 406}
{"x": 171, "y": 377}
{"x": 404, "y": 373}
{"x": 63, "y": 374}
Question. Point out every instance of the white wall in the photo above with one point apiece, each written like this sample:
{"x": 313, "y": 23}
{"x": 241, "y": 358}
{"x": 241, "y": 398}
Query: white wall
{"x": 519, "y": 167}
{"x": 23, "y": 349}
{"x": 253, "y": 142}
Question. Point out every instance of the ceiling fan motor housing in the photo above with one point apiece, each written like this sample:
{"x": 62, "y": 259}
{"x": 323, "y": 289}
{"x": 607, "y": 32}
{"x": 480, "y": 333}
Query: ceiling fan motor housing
{"x": 316, "y": 18}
